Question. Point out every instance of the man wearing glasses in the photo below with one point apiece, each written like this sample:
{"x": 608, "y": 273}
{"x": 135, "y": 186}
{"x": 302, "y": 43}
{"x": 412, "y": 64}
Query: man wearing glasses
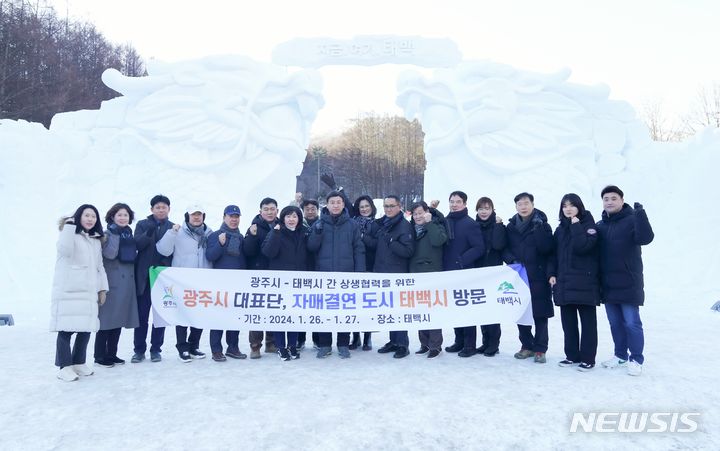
{"x": 395, "y": 246}
{"x": 256, "y": 233}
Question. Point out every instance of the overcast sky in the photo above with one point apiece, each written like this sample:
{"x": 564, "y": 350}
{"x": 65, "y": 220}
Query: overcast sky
{"x": 643, "y": 49}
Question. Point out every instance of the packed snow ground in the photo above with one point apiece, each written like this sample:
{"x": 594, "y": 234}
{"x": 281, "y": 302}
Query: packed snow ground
{"x": 370, "y": 401}
{"x": 373, "y": 401}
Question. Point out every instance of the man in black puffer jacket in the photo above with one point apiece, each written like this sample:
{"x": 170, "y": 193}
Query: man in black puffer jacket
{"x": 147, "y": 233}
{"x": 622, "y": 231}
{"x": 395, "y": 246}
{"x": 530, "y": 243}
{"x": 261, "y": 225}
{"x": 335, "y": 240}
{"x": 464, "y": 247}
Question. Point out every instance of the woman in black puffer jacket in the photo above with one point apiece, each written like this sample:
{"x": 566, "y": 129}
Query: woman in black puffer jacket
{"x": 575, "y": 283}
{"x": 286, "y": 249}
{"x": 495, "y": 237}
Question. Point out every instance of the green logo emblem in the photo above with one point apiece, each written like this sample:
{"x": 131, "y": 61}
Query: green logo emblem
{"x": 507, "y": 288}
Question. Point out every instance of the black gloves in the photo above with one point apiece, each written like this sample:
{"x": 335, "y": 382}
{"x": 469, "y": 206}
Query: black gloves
{"x": 637, "y": 206}
{"x": 329, "y": 180}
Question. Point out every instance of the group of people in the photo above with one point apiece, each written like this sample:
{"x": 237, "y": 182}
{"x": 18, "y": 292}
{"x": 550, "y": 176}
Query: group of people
{"x": 102, "y": 284}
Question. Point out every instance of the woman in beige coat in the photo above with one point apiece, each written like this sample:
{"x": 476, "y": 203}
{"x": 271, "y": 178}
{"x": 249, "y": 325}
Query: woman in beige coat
{"x": 79, "y": 285}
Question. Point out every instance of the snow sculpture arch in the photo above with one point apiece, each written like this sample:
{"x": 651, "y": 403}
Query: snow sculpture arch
{"x": 492, "y": 129}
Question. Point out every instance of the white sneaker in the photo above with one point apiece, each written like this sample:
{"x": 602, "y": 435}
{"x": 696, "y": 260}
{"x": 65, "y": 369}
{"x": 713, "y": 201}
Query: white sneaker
{"x": 614, "y": 362}
{"x": 634, "y": 368}
{"x": 82, "y": 370}
{"x": 67, "y": 374}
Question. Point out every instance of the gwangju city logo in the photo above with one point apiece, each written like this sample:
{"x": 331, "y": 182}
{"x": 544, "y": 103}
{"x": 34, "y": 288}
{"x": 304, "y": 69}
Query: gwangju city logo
{"x": 168, "y": 299}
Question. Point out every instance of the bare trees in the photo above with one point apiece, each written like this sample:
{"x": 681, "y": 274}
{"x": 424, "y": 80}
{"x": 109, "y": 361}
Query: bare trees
{"x": 49, "y": 64}
{"x": 377, "y": 155}
{"x": 704, "y": 112}
{"x": 660, "y": 127}
{"x": 706, "y": 108}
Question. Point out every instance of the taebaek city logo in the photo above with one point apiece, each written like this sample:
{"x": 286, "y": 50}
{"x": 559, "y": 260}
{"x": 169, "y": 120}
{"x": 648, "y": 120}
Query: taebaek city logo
{"x": 508, "y": 294}
{"x": 168, "y": 299}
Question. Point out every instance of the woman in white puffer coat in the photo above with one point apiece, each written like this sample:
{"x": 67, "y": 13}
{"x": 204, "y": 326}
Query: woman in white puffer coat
{"x": 79, "y": 285}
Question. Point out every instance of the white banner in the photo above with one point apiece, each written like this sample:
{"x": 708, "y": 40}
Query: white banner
{"x": 300, "y": 301}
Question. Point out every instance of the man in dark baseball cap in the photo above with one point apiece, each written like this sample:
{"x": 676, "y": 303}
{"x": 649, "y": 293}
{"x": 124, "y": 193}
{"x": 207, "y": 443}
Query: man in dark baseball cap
{"x": 232, "y": 210}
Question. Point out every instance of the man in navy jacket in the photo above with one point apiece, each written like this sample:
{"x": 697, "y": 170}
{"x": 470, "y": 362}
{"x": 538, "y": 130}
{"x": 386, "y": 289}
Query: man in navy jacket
{"x": 622, "y": 231}
{"x": 464, "y": 247}
{"x": 530, "y": 242}
{"x": 225, "y": 251}
{"x": 395, "y": 246}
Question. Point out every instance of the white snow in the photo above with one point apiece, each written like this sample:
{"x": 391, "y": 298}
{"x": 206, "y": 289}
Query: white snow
{"x": 191, "y": 132}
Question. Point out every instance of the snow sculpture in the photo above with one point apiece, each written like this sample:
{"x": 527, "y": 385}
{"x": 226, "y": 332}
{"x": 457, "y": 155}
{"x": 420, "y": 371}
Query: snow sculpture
{"x": 215, "y": 131}
{"x": 491, "y": 129}
{"x": 219, "y": 130}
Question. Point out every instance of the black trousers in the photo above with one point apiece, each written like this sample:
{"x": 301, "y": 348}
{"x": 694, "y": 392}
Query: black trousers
{"x": 325, "y": 339}
{"x": 157, "y": 337}
{"x": 64, "y": 356}
{"x": 537, "y": 342}
{"x": 580, "y": 346}
{"x": 491, "y": 337}
{"x": 185, "y": 343}
{"x": 106, "y": 343}
{"x": 466, "y": 336}
{"x": 366, "y": 337}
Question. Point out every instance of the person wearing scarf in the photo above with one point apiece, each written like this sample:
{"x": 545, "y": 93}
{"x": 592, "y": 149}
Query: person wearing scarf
{"x": 530, "y": 243}
{"x": 364, "y": 213}
{"x": 495, "y": 238}
{"x": 464, "y": 247}
{"x": 395, "y": 246}
{"x": 225, "y": 251}
{"x": 430, "y": 238}
{"x": 187, "y": 245}
{"x": 120, "y": 309}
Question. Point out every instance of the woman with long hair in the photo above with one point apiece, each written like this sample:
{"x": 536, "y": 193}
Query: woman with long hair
{"x": 79, "y": 285}
{"x": 575, "y": 283}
